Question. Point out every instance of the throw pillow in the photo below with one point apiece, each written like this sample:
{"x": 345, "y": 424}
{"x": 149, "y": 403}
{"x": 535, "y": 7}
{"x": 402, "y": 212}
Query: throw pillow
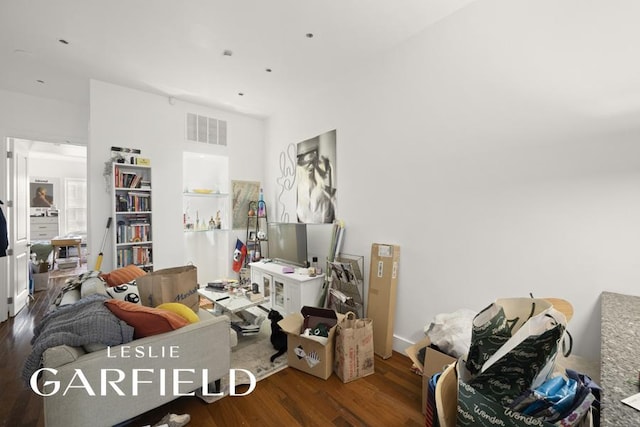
{"x": 181, "y": 310}
{"x": 123, "y": 275}
{"x": 93, "y": 285}
{"x": 146, "y": 321}
{"x": 125, "y": 292}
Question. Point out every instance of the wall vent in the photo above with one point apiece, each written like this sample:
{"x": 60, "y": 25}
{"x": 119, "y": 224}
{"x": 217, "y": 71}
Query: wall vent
{"x": 206, "y": 130}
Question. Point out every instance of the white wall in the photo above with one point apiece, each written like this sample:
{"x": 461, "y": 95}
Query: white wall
{"x": 31, "y": 117}
{"x": 125, "y": 117}
{"x": 490, "y": 192}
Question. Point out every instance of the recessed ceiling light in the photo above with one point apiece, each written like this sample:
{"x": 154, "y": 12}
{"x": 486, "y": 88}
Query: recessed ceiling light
{"x": 240, "y": 93}
{"x": 227, "y": 52}
{"x": 40, "y": 81}
{"x": 309, "y": 35}
{"x": 268, "y": 70}
{"x": 63, "y": 41}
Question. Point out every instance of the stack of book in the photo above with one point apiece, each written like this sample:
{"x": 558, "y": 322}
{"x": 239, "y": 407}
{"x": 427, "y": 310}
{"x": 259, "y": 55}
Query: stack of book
{"x": 246, "y": 330}
{"x": 246, "y": 323}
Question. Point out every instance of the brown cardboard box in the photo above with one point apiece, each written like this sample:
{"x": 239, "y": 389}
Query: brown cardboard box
{"x": 434, "y": 362}
{"x": 310, "y": 354}
{"x": 381, "y": 306}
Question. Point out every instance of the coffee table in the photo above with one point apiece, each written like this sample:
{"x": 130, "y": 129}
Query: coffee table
{"x": 228, "y": 301}
{"x": 243, "y": 320}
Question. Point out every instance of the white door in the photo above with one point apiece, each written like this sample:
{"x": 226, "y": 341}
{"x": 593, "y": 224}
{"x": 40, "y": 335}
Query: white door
{"x": 18, "y": 222}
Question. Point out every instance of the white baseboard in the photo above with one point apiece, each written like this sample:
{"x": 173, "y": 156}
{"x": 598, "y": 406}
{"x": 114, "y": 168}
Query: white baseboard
{"x": 400, "y": 344}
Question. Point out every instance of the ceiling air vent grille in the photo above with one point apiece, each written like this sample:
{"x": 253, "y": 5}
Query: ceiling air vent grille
{"x": 206, "y": 129}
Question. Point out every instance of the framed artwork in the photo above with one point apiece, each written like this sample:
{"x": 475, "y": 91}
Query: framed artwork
{"x": 316, "y": 179}
{"x": 41, "y": 191}
{"x": 242, "y": 192}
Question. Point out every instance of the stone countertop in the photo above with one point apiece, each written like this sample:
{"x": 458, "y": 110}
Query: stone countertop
{"x": 620, "y": 358}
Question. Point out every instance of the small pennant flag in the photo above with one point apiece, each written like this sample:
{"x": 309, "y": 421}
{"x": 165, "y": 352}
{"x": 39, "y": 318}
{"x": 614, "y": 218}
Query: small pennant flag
{"x": 239, "y": 254}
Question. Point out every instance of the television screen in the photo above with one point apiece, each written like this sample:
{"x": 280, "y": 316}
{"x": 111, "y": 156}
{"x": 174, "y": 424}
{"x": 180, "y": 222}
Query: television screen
{"x": 287, "y": 242}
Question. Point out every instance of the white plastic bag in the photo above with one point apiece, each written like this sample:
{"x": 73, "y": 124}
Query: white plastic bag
{"x": 451, "y": 332}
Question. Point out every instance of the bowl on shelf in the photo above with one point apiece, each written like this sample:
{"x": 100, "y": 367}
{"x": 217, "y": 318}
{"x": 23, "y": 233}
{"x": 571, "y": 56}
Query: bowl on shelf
{"x": 202, "y": 191}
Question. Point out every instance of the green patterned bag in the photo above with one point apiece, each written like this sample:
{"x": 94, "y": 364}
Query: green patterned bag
{"x": 514, "y": 344}
{"x": 490, "y": 330}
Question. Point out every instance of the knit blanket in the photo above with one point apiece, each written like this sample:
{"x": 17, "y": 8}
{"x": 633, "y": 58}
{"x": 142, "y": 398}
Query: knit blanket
{"x": 88, "y": 321}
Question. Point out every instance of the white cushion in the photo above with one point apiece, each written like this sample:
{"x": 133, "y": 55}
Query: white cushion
{"x": 93, "y": 285}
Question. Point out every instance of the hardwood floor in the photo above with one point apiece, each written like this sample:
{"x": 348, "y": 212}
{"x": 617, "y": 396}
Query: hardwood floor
{"x": 390, "y": 397}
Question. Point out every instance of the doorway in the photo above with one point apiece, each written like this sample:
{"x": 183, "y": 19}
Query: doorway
{"x": 62, "y": 169}
{"x": 50, "y": 199}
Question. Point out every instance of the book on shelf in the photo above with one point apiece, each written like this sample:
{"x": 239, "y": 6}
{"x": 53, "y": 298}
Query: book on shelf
{"x": 135, "y": 183}
{"x": 126, "y": 179}
{"x": 133, "y": 202}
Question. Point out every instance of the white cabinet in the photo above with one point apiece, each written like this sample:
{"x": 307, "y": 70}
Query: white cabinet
{"x": 132, "y": 214}
{"x": 44, "y": 227}
{"x": 288, "y": 292}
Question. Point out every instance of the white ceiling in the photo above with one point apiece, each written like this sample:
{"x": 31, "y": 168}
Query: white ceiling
{"x": 176, "y": 48}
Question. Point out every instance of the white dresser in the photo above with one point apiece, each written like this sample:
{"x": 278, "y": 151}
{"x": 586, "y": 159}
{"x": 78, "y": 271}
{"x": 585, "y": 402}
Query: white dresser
{"x": 44, "y": 227}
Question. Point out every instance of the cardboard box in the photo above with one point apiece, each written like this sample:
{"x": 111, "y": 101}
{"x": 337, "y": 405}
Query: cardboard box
{"x": 40, "y": 281}
{"x": 43, "y": 267}
{"x": 434, "y": 361}
{"x": 311, "y": 354}
{"x": 381, "y": 306}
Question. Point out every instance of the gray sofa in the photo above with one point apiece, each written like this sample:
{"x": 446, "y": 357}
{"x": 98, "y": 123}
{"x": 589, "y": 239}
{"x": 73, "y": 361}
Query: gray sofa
{"x": 198, "y": 353}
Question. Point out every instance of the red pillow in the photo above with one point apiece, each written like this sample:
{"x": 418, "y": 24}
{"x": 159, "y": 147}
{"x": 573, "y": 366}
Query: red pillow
{"x": 123, "y": 275}
{"x": 146, "y": 321}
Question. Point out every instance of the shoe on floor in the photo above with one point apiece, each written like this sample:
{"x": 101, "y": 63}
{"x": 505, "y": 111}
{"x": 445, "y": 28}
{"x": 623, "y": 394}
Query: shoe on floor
{"x": 173, "y": 420}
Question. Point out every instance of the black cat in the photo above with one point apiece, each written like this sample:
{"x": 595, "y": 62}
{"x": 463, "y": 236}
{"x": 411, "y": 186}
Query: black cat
{"x": 278, "y": 336}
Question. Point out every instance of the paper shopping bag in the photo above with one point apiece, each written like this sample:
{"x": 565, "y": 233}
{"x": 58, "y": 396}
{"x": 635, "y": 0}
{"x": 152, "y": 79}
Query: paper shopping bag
{"x": 177, "y": 284}
{"x": 354, "y": 348}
